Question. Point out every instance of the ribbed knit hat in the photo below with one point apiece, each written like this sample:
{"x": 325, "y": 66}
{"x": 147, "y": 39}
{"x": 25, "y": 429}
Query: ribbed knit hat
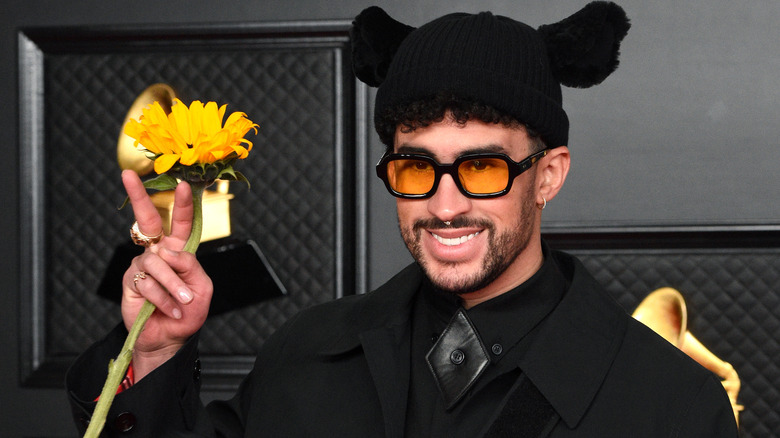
{"x": 492, "y": 59}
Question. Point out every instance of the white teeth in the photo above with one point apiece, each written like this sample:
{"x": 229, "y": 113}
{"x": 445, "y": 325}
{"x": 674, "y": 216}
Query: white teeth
{"x": 454, "y": 241}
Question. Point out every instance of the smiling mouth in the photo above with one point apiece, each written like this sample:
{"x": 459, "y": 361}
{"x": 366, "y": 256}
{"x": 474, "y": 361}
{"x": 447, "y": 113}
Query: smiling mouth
{"x": 454, "y": 241}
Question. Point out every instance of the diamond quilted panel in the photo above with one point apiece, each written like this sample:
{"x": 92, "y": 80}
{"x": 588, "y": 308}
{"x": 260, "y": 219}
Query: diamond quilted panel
{"x": 289, "y": 211}
{"x": 733, "y": 301}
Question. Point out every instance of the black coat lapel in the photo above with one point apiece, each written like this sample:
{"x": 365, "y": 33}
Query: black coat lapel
{"x": 379, "y": 323}
{"x": 387, "y": 354}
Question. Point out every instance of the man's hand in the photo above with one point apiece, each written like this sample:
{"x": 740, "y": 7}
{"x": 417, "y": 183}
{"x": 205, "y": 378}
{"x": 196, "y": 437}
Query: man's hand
{"x": 170, "y": 278}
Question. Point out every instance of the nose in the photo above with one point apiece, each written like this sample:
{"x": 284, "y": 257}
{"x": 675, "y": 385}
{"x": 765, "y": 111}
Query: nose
{"x": 448, "y": 202}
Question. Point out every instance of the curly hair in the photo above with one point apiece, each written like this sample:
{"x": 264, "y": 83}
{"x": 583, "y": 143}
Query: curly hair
{"x": 422, "y": 113}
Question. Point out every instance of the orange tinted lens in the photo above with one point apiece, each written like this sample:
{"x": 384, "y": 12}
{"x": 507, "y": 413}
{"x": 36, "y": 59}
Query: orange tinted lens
{"x": 410, "y": 176}
{"x": 483, "y": 175}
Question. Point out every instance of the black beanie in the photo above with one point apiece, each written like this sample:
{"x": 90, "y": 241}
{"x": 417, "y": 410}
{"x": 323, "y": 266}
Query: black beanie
{"x": 492, "y": 59}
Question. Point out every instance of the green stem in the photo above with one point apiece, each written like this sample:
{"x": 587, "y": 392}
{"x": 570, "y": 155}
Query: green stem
{"x": 197, "y": 217}
{"x": 116, "y": 373}
{"x": 117, "y": 369}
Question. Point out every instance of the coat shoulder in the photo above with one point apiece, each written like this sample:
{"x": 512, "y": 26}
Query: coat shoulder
{"x": 337, "y": 323}
{"x": 667, "y": 391}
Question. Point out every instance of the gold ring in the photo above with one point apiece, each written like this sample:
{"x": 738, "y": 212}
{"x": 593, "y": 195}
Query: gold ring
{"x": 142, "y": 239}
{"x": 140, "y": 275}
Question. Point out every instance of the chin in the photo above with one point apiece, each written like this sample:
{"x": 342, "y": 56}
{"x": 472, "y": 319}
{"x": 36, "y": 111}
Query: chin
{"x": 458, "y": 279}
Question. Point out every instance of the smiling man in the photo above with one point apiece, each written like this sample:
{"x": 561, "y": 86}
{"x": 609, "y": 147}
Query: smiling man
{"x": 489, "y": 333}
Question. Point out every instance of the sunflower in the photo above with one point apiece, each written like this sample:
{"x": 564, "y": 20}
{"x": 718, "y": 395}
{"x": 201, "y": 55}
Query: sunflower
{"x": 193, "y": 136}
{"x": 189, "y": 144}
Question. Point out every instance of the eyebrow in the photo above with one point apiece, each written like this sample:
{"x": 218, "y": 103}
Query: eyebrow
{"x": 407, "y": 148}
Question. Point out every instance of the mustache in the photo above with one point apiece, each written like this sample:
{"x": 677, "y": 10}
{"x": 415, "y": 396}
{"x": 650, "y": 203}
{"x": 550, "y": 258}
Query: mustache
{"x": 458, "y": 222}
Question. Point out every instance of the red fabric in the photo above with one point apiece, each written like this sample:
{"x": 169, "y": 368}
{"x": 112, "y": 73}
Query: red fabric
{"x": 126, "y": 383}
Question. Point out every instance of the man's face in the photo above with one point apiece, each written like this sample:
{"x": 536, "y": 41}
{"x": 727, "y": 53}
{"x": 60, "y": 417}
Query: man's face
{"x": 484, "y": 251}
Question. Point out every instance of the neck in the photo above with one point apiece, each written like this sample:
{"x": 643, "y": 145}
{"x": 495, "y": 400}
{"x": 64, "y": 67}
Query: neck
{"x": 523, "y": 268}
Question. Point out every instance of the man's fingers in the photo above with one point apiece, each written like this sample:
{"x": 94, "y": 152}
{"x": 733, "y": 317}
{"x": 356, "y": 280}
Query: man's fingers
{"x": 151, "y": 289}
{"x": 181, "y": 217}
{"x": 149, "y": 221}
{"x": 190, "y": 272}
{"x": 169, "y": 277}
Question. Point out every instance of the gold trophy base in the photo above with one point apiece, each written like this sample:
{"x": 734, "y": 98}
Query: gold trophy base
{"x": 216, "y": 212}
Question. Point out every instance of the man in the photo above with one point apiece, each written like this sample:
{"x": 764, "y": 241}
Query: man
{"x": 489, "y": 332}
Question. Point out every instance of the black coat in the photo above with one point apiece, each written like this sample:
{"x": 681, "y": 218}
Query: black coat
{"x": 341, "y": 369}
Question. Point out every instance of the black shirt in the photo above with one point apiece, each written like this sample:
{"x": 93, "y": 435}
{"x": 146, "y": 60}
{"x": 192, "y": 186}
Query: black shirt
{"x": 501, "y": 323}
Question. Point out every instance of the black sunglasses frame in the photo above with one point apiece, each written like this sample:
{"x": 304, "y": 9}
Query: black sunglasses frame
{"x": 515, "y": 169}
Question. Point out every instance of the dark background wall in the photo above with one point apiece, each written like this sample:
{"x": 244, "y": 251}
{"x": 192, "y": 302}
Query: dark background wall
{"x": 683, "y": 134}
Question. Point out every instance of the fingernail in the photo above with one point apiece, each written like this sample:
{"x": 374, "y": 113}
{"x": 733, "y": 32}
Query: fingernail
{"x": 177, "y": 313}
{"x": 185, "y": 295}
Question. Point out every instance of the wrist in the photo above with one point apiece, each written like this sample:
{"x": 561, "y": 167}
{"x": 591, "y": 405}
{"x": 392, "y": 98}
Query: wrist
{"x": 144, "y": 362}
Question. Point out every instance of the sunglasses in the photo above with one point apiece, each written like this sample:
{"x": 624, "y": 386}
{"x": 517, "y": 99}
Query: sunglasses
{"x": 488, "y": 175}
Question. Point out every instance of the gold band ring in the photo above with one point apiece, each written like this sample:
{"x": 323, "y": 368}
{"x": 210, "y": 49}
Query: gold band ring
{"x": 142, "y": 239}
{"x": 140, "y": 275}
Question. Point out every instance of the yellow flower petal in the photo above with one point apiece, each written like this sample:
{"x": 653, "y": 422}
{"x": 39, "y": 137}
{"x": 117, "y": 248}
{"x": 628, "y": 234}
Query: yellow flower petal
{"x": 133, "y": 129}
{"x": 212, "y": 122}
{"x": 240, "y": 151}
{"x": 247, "y": 143}
{"x": 160, "y": 141}
{"x": 180, "y": 121}
{"x": 196, "y": 120}
{"x": 221, "y": 114}
{"x": 164, "y": 162}
{"x": 155, "y": 115}
{"x": 218, "y": 154}
{"x": 234, "y": 118}
{"x": 189, "y": 157}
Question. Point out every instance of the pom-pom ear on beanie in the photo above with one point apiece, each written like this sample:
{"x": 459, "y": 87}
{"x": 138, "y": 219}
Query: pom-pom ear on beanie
{"x": 583, "y": 49}
{"x": 375, "y": 38}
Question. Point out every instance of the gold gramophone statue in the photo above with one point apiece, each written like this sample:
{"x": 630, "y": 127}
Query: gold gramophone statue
{"x": 216, "y": 203}
{"x": 664, "y": 311}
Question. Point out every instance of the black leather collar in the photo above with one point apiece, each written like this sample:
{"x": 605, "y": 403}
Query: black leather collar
{"x": 457, "y": 359}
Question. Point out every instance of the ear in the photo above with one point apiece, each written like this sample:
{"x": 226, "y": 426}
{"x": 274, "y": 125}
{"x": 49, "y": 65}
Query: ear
{"x": 584, "y": 48}
{"x": 553, "y": 169}
{"x": 375, "y": 38}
